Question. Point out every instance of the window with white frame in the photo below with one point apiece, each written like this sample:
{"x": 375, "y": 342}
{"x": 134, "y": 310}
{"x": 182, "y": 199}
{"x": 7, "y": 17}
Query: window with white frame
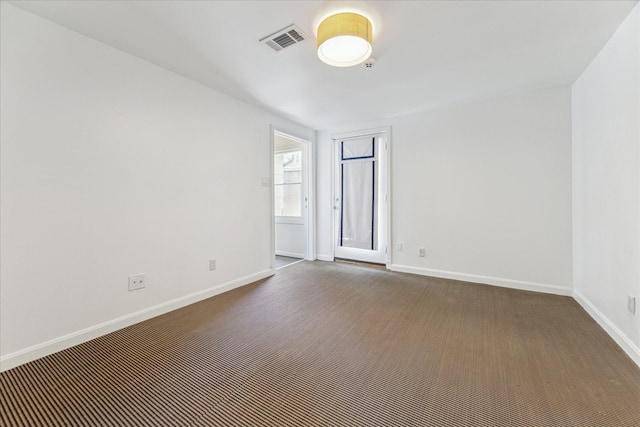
{"x": 287, "y": 183}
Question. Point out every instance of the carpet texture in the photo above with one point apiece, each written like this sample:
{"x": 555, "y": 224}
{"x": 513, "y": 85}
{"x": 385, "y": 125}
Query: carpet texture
{"x": 327, "y": 344}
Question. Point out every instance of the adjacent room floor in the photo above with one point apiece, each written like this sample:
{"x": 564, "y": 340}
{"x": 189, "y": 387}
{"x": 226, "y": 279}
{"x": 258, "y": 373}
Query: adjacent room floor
{"x": 283, "y": 261}
{"x": 340, "y": 345}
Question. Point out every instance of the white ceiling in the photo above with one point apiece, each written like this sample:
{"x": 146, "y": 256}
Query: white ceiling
{"x": 429, "y": 53}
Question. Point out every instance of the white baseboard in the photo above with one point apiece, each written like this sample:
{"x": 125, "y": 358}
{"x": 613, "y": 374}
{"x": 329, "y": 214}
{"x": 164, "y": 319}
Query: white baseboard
{"x": 487, "y": 280}
{"x": 324, "y": 257}
{"x": 632, "y": 350}
{"x": 290, "y": 254}
{"x": 37, "y": 351}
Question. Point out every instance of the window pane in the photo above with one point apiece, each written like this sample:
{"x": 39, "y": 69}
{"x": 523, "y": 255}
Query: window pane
{"x": 288, "y": 200}
{"x": 279, "y": 199}
{"x": 291, "y": 200}
{"x": 357, "y": 148}
{"x": 292, "y": 160}
{"x": 288, "y": 183}
{"x": 278, "y": 173}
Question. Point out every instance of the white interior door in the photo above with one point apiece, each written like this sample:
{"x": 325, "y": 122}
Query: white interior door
{"x": 361, "y": 198}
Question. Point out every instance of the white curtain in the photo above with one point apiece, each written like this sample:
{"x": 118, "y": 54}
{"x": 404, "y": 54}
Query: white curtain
{"x": 359, "y": 199}
{"x": 357, "y": 149}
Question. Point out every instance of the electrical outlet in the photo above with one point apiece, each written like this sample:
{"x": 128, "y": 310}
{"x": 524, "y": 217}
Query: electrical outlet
{"x": 136, "y": 282}
{"x": 212, "y": 264}
{"x": 399, "y": 247}
{"x": 422, "y": 252}
{"x": 631, "y": 304}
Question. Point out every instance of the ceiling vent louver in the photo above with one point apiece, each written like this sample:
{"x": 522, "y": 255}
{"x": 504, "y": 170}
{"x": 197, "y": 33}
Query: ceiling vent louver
{"x": 286, "y": 37}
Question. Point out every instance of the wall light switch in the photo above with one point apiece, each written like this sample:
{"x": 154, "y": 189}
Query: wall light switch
{"x": 212, "y": 264}
{"x": 631, "y": 304}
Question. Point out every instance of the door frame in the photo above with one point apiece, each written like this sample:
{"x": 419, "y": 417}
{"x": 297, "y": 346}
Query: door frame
{"x": 386, "y": 132}
{"x": 308, "y": 190}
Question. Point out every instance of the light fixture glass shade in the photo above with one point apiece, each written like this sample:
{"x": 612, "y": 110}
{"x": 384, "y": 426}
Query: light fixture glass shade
{"x": 344, "y": 39}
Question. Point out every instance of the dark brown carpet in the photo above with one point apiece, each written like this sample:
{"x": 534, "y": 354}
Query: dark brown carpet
{"x": 340, "y": 345}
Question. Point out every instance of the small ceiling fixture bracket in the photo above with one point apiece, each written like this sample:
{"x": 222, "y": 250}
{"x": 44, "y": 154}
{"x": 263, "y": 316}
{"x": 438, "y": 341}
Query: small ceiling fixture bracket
{"x": 369, "y": 63}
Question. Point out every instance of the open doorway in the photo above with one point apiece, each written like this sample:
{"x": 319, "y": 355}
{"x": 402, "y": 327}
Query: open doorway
{"x": 291, "y": 192}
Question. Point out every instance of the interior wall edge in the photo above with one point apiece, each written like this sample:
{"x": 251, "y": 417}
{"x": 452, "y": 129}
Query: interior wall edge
{"x": 632, "y": 350}
{"x": 38, "y": 351}
{"x": 486, "y": 280}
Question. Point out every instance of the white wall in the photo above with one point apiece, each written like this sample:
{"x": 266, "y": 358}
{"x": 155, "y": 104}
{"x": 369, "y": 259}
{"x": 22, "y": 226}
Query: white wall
{"x": 606, "y": 185}
{"x": 290, "y": 239}
{"x": 112, "y": 166}
{"x": 484, "y": 187}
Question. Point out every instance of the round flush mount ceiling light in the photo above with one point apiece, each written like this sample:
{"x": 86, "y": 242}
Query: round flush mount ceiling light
{"x": 344, "y": 39}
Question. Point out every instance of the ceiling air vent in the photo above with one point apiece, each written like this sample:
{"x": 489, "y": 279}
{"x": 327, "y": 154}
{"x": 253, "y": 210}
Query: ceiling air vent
{"x": 290, "y": 36}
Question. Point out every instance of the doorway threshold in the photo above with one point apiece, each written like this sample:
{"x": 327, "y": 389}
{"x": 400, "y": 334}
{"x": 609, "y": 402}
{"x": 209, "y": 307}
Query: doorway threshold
{"x": 361, "y": 263}
{"x": 285, "y": 261}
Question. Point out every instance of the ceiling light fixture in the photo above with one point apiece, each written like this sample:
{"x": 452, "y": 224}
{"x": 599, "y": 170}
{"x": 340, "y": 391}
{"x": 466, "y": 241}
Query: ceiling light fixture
{"x": 344, "y": 39}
